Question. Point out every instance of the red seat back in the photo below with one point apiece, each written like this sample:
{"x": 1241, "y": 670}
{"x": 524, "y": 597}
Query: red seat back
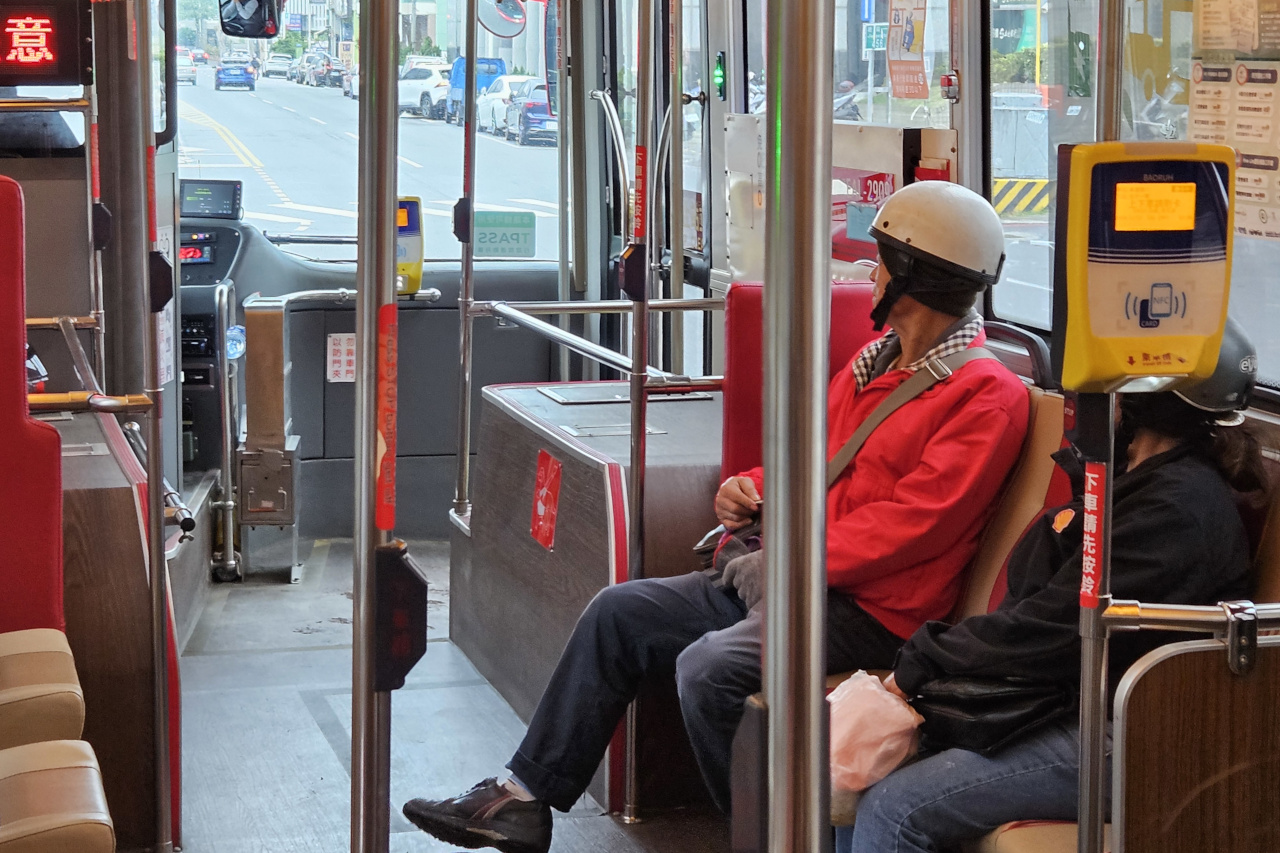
{"x": 744, "y": 367}
{"x": 30, "y": 455}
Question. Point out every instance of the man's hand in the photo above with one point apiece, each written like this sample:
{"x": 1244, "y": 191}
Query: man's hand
{"x": 737, "y": 502}
{"x": 746, "y": 575}
{"x": 892, "y": 686}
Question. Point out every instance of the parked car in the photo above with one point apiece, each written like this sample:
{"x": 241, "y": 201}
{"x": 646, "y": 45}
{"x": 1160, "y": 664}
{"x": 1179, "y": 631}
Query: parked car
{"x": 233, "y": 72}
{"x": 418, "y": 61}
{"x": 298, "y": 68}
{"x": 354, "y": 83}
{"x": 186, "y": 68}
{"x": 277, "y": 65}
{"x": 492, "y": 103}
{"x": 347, "y": 76}
{"x": 487, "y": 70}
{"x": 424, "y": 90}
{"x": 529, "y": 116}
{"x": 322, "y": 70}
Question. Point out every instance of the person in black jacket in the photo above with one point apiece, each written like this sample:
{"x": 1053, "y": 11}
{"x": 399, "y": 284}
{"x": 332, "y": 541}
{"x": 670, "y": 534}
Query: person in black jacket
{"x": 1177, "y": 537}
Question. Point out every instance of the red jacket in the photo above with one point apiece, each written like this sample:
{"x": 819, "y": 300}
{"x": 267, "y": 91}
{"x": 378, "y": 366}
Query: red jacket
{"x": 905, "y": 519}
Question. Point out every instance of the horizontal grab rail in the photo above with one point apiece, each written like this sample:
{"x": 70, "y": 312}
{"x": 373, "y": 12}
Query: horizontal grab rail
{"x": 56, "y": 322}
{"x": 613, "y": 306}
{"x": 580, "y": 345}
{"x": 1134, "y": 615}
{"x": 39, "y": 106}
{"x": 267, "y": 303}
{"x": 88, "y": 401}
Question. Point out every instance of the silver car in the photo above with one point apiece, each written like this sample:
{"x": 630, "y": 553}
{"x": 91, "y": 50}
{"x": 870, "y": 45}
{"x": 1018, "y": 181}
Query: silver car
{"x": 186, "y": 68}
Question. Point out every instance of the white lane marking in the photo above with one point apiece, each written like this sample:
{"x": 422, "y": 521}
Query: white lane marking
{"x": 505, "y": 209}
{"x": 275, "y": 217}
{"x": 265, "y": 101}
{"x": 311, "y": 208}
{"x": 443, "y": 214}
{"x": 316, "y": 120}
{"x": 535, "y": 202}
{"x": 409, "y": 162}
{"x": 198, "y": 165}
{"x": 352, "y": 135}
{"x": 290, "y": 109}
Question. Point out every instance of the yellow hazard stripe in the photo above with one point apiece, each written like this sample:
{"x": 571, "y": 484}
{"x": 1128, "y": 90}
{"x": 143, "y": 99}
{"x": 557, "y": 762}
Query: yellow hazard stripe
{"x": 1022, "y": 195}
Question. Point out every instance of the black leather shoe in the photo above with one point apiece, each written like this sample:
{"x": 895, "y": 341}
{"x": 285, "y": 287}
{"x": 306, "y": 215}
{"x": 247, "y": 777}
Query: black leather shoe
{"x": 485, "y": 816}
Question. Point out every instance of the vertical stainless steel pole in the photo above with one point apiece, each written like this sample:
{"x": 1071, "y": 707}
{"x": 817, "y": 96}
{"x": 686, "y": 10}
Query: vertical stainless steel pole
{"x": 797, "y": 261}
{"x": 967, "y": 115}
{"x": 370, "y": 709}
{"x": 1110, "y": 68}
{"x": 645, "y": 231}
{"x": 145, "y": 137}
{"x": 568, "y": 232}
{"x": 675, "y": 193}
{"x": 1095, "y": 420}
{"x": 1093, "y": 633}
{"x": 466, "y": 295}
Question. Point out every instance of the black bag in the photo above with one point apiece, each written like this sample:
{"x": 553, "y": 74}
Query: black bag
{"x": 984, "y": 714}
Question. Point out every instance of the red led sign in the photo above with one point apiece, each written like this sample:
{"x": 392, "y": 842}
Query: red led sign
{"x": 29, "y": 39}
{"x": 46, "y": 44}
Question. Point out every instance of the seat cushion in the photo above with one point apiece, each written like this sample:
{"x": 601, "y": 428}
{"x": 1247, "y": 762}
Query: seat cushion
{"x": 40, "y": 694}
{"x": 51, "y": 800}
{"x": 1031, "y": 836}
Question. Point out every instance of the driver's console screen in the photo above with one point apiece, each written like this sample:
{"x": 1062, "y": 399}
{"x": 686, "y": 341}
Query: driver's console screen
{"x": 211, "y": 199}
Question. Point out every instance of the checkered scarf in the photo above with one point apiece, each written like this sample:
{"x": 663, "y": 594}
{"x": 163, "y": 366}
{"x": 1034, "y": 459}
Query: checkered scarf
{"x": 879, "y": 354}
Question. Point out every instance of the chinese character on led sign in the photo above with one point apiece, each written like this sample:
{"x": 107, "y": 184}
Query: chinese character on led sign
{"x": 29, "y": 39}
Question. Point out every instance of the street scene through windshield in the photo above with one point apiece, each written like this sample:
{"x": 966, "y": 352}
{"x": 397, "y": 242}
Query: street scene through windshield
{"x": 282, "y": 116}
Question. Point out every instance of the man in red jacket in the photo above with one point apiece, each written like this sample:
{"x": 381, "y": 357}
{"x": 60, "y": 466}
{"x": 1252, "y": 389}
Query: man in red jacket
{"x": 903, "y": 520}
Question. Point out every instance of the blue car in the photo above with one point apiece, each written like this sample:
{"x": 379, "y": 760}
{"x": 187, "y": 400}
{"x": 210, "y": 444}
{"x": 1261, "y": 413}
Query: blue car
{"x": 487, "y": 70}
{"x": 231, "y": 72}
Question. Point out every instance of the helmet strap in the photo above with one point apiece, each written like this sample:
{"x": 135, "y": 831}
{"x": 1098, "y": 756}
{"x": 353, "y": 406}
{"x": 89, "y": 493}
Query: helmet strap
{"x": 893, "y": 291}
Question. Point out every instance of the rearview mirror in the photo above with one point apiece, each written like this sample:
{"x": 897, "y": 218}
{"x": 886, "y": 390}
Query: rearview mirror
{"x": 250, "y": 19}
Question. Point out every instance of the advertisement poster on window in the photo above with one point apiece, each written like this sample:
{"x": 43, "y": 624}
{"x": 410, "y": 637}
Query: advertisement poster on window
{"x": 907, "y": 76}
{"x": 1238, "y": 104}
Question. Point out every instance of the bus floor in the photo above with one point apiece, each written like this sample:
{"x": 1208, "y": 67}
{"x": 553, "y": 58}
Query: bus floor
{"x": 266, "y": 682}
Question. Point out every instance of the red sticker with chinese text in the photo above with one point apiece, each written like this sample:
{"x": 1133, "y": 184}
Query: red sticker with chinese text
{"x": 546, "y": 500}
{"x": 639, "y": 226}
{"x": 1091, "y": 545}
{"x": 384, "y": 514}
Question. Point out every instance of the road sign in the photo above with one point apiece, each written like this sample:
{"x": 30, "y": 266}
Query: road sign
{"x": 868, "y": 10}
{"x": 502, "y": 234}
{"x": 875, "y": 37}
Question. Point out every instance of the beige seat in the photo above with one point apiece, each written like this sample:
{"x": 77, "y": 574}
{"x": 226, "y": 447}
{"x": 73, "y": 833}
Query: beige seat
{"x": 1023, "y": 501}
{"x": 51, "y": 800}
{"x": 40, "y": 695}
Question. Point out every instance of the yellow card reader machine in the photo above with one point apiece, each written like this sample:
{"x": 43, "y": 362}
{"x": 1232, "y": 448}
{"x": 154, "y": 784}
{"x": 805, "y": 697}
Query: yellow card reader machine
{"x": 1142, "y": 263}
{"x": 409, "y": 249}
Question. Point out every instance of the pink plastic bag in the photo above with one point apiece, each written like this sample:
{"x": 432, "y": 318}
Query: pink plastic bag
{"x": 872, "y": 732}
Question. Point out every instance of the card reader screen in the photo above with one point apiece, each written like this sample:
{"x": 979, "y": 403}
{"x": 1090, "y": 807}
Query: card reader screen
{"x": 216, "y": 199}
{"x": 1155, "y": 207}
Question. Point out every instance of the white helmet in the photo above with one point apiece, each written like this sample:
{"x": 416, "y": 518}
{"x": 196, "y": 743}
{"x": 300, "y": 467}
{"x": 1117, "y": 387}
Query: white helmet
{"x": 946, "y": 225}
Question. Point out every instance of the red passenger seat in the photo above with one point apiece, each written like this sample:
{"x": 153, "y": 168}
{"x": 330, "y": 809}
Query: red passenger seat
{"x": 30, "y": 455}
{"x": 743, "y": 446}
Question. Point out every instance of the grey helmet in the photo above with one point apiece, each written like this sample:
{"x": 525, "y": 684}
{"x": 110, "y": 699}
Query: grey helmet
{"x": 1227, "y": 390}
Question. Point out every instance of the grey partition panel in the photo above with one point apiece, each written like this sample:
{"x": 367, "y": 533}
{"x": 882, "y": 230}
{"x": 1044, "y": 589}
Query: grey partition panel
{"x": 424, "y": 495}
{"x": 508, "y": 591}
{"x": 55, "y": 196}
{"x": 306, "y": 381}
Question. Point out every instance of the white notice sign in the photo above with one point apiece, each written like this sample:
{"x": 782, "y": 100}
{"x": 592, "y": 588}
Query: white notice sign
{"x": 1238, "y": 104}
{"x": 342, "y": 359}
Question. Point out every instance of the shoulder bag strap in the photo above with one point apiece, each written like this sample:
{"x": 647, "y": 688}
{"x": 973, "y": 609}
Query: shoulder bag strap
{"x": 934, "y": 371}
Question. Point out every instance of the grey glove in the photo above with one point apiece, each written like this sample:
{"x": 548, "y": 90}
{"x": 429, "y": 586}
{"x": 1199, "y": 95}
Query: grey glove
{"x": 746, "y": 575}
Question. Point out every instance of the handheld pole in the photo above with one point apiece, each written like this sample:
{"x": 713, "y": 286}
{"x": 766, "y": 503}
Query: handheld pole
{"x": 1095, "y": 437}
{"x": 375, "y": 419}
{"x": 796, "y": 292}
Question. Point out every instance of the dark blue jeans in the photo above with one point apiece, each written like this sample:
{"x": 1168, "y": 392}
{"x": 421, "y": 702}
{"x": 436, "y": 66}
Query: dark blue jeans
{"x": 659, "y": 627}
{"x": 957, "y": 795}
